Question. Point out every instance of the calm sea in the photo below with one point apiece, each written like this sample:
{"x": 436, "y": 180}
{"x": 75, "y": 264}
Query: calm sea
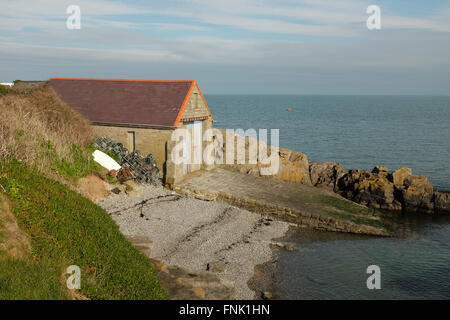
{"x": 359, "y": 132}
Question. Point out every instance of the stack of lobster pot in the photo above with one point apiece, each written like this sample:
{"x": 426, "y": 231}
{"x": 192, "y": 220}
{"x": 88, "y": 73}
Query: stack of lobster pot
{"x": 142, "y": 169}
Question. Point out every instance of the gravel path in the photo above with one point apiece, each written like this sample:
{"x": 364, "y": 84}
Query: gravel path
{"x": 198, "y": 235}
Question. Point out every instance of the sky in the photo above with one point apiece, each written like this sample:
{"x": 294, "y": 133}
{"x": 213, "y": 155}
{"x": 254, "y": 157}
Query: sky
{"x": 234, "y": 46}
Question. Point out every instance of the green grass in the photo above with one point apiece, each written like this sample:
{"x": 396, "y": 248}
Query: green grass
{"x": 3, "y": 90}
{"x": 112, "y": 180}
{"x": 30, "y": 280}
{"x": 77, "y": 164}
{"x": 67, "y": 229}
{"x": 345, "y": 205}
{"x": 345, "y": 210}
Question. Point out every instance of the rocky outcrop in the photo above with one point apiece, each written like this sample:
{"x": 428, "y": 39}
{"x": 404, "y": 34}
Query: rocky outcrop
{"x": 399, "y": 190}
{"x": 326, "y": 174}
{"x": 381, "y": 170}
{"x": 442, "y": 202}
{"x": 372, "y": 189}
{"x": 417, "y": 194}
{"x": 398, "y": 176}
{"x": 294, "y": 167}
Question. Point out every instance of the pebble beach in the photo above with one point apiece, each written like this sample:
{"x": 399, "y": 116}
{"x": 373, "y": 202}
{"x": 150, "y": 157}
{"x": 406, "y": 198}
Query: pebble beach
{"x": 198, "y": 235}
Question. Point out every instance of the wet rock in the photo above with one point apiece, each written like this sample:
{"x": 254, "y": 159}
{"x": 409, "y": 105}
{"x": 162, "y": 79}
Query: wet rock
{"x": 326, "y": 174}
{"x": 442, "y": 202}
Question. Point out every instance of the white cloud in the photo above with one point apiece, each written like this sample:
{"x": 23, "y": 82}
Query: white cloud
{"x": 259, "y": 34}
{"x": 397, "y": 22}
{"x": 17, "y": 49}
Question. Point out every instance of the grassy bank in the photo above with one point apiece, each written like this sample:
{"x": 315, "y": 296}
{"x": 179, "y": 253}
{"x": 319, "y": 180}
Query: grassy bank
{"x": 68, "y": 229}
{"x": 44, "y": 151}
{"x": 30, "y": 280}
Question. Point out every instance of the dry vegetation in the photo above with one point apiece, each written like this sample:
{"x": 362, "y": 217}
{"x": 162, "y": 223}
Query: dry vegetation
{"x": 32, "y": 122}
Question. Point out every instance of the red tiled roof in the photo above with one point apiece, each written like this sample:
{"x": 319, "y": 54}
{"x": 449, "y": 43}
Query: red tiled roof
{"x": 141, "y": 102}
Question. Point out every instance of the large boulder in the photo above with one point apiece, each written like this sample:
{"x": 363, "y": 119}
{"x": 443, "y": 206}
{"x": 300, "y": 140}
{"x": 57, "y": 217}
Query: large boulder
{"x": 417, "y": 194}
{"x": 371, "y": 189}
{"x": 442, "y": 202}
{"x": 326, "y": 174}
{"x": 294, "y": 166}
{"x": 399, "y": 176}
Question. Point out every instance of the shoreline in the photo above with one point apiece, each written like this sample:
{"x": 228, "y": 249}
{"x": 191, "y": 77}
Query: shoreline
{"x": 264, "y": 280}
{"x": 202, "y": 237}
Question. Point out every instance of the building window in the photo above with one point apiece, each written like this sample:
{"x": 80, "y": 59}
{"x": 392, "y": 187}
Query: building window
{"x": 196, "y": 106}
{"x": 131, "y": 141}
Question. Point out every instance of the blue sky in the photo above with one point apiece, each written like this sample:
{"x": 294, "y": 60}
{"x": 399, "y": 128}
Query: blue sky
{"x": 235, "y": 46}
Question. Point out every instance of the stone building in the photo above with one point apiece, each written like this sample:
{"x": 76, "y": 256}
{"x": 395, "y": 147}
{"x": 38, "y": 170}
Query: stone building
{"x": 141, "y": 114}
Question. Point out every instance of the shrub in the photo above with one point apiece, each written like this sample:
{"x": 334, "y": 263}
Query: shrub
{"x": 3, "y": 90}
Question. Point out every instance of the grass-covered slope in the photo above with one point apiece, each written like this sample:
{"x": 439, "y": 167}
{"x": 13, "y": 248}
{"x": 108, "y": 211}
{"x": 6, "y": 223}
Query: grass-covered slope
{"x": 44, "y": 149}
{"x": 68, "y": 229}
{"x": 30, "y": 280}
